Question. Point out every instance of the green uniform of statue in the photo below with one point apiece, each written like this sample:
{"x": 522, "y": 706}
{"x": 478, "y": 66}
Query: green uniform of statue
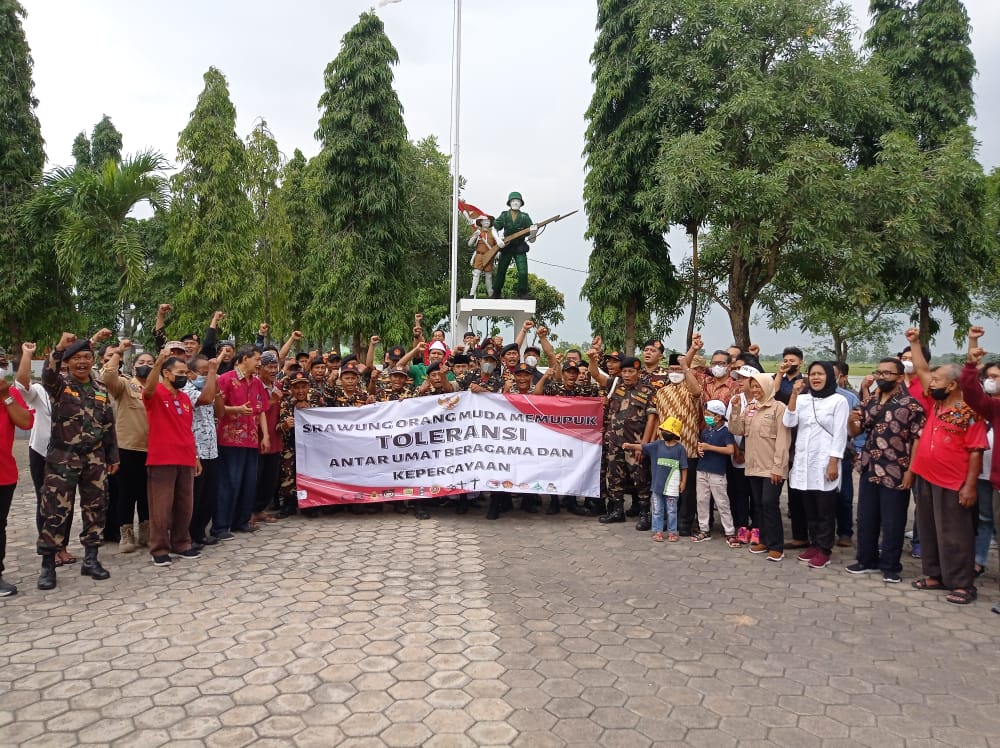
{"x": 510, "y": 222}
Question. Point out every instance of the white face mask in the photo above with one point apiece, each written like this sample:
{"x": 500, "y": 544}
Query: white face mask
{"x": 907, "y": 367}
{"x": 675, "y": 377}
{"x": 487, "y": 368}
{"x": 990, "y": 386}
{"x": 718, "y": 370}
{"x": 531, "y": 360}
{"x": 515, "y": 204}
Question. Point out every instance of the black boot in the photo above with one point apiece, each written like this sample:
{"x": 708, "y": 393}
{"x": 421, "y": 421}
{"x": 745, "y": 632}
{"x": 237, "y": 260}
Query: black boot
{"x": 616, "y": 512}
{"x": 595, "y": 507}
{"x": 494, "y": 510}
{"x": 47, "y": 577}
{"x": 91, "y": 567}
{"x": 553, "y": 505}
{"x": 569, "y": 504}
{"x": 529, "y": 504}
{"x": 633, "y": 510}
{"x": 645, "y": 521}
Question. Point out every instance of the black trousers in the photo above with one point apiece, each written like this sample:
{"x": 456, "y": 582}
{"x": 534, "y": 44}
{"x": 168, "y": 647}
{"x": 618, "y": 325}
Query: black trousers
{"x": 132, "y": 496}
{"x": 204, "y": 499}
{"x": 821, "y": 516}
{"x": 268, "y": 478}
{"x": 738, "y": 490}
{"x": 797, "y": 515}
{"x": 881, "y": 509}
{"x": 687, "y": 504}
{"x": 6, "y": 497}
{"x": 767, "y": 512}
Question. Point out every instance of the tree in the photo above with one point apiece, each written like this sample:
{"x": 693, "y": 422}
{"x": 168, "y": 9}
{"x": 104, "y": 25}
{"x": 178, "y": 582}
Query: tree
{"x": 297, "y": 197}
{"x": 210, "y": 224}
{"x": 362, "y": 188}
{"x": 924, "y": 47}
{"x": 629, "y": 269}
{"x": 764, "y": 99}
{"x": 33, "y": 300}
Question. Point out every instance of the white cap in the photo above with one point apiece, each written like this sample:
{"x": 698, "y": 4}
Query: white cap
{"x": 437, "y": 345}
{"x": 716, "y": 406}
{"x": 747, "y": 371}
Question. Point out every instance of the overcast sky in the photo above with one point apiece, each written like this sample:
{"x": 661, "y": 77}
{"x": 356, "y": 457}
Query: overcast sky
{"x": 525, "y": 87}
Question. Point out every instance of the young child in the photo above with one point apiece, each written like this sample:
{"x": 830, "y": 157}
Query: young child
{"x": 715, "y": 447}
{"x": 669, "y": 468}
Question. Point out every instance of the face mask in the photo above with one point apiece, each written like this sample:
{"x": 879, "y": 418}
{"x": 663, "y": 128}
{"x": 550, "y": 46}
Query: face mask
{"x": 143, "y": 371}
{"x": 885, "y": 385}
{"x": 179, "y": 382}
{"x": 675, "y": 377}
{"x": 488, "y": 368}
{"x": 515, "y": 204}
{"x": 709, "y": 420}
{"x": 907, "y": 367}
{"x": 939, "y": 393}
{"x": 718, "y": 371}
{"x": 990, "y": 386}
{"x": 199, "y": 382}
{"x": 793, "y": 370}
{"x": 531, "y": 360}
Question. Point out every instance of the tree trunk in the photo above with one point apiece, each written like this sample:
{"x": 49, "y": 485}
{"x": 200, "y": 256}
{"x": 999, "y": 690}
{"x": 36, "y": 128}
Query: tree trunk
{"x": 839, "y": 346}
{"x": 693, "y": 231}
{"x": 925, "y": 321}
{"x": 356, "y": 343}
{"x": 335, "y": 344}
{"x": 630, "y": 315}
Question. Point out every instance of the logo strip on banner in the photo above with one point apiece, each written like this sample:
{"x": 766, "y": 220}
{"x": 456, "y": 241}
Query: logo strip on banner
{"x": 433, "y": 447}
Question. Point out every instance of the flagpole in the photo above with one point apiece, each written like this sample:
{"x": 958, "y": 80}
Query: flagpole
{"x": 455, "y": 100}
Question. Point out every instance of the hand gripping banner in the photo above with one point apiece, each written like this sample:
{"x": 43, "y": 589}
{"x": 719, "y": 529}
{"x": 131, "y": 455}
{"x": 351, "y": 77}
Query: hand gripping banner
{"x": 428, "y": 447}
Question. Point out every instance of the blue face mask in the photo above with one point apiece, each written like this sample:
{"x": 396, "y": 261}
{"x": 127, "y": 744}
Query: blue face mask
{"x": 709, "y": 420}
{"x": 199, "y": 382}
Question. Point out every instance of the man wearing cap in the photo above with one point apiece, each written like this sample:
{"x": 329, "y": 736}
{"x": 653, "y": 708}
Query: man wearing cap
{"x": 631, "y": 418}
{"x": 606, "y": 383}
{"x": 681, "y": 397}
{"x": 436, "y": 382}
{"x": 82, "y": 452}
{"x": 347, "y": 394}
{"x": 383, "y": 381}
{"x": 510, "y": 222}
{"x": 317, "y": 373}
{"x": 522, "y": 376}
{"x": 487, "y": 380}
{"x": 396, "y": 386}
{"x": 299, "y": 394}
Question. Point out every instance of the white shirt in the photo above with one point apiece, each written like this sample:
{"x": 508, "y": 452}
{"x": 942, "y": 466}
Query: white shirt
{"x": 822, "y": 434}
{"x": 37, "y": 400}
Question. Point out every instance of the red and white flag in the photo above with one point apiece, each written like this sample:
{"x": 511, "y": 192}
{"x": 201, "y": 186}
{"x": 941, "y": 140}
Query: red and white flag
{"x": 470, "y": 211}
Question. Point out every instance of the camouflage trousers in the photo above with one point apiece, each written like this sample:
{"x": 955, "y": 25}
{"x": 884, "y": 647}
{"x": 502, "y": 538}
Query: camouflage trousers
{"x": 287, "y": 494}
{"x": 66, "y": 472}
{"x": 627, "y": 476}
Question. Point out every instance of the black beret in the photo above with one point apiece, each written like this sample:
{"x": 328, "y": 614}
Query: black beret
{"x": 76, "y": 346}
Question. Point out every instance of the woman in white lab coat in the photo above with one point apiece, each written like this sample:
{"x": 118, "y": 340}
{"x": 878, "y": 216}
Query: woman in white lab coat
{"x": 821, "y": 417}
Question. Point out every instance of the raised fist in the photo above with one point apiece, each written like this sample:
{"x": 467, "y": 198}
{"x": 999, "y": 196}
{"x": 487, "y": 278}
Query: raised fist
{"x": 264, "y": 329}
{"x": 28, "y": 349}
{"x": 296, "y": 335}
{"x": 217, "y": 317}
{"x": 912, "y": 336}
{"x": 65, "y": 341}
{"x": 375, "y": 339}
{"x": 164, "y": 309}
{"x": 976, "y": 332}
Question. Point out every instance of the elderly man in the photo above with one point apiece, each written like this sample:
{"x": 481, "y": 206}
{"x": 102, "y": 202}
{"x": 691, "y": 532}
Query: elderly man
{"x": 82, "y": 453}
{"x": 947, "y": 464}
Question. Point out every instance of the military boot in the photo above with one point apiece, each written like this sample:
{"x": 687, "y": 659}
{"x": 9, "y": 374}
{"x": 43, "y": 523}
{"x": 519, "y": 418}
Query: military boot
{"x": 553, "y": 505}
{"x": 91, "y": 567}
{"x": 494, "y": 510}
{"x": 47, "y": 577}
{"x": 645, "y": 520}
{"x": 616, "y": 512}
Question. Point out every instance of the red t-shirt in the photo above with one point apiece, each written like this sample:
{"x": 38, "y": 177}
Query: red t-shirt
{"x": 171, "y": 440}
{"x": 8, "y": 467}
{"x": 272, "y": 413}
{"x": 949, "y": 435}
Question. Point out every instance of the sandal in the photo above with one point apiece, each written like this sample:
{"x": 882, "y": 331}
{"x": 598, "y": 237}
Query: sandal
{"x": 925, "y": 584}
{"x": 673, "y": 537}
{"x": 962, "y": 597}
{"x": 700, "y": 537}
{"x": 733, "y": 541}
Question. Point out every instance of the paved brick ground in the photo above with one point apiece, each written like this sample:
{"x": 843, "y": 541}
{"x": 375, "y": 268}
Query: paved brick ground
{"x": 530, "y": 631}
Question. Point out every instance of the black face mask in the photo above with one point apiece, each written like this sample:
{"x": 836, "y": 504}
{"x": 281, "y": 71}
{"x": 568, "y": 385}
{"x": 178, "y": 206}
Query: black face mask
{"x": 939, "y": 393}
{"x": 793, "y": 370}
{"x": 143, "y": 371}
{"x": 886, "y": 385}
{"x": 179, "y": 382}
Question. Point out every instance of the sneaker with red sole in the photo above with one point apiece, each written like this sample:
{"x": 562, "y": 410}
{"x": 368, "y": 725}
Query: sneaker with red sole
{"x": 808, "y": 554}
{"x": 743, "y": 535}
{"x": 819, "y": 561}
{"x": 755, "y": 535}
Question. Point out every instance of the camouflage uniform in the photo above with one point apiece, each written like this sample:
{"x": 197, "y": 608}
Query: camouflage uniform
{"x": 628, "y": 411}
{"x": 286, "y": 486}
{"x": 388, "y": 395}
{"x": 82, "y": 446}
{"x": 492, "y": 382}
{"x": 558, "y": 389}
{"x": 336, "y": 397}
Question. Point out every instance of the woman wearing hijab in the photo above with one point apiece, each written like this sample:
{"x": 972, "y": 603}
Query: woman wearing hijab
{"x": 765, "y": 446}
{"x": 821, "y": 416}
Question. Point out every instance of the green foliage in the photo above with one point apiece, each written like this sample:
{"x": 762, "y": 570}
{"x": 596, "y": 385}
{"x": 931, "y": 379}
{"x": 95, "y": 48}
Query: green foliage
{"x": 630, "y": 271}
{"x": 297, "y": 198}
{"x": 362, "y": 190}
{"x": 211, "y": 222}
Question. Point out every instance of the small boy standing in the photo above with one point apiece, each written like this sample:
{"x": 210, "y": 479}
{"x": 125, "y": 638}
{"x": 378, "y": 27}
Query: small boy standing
{"x": 669, "y": 468}
{"x": 715, "y": 447}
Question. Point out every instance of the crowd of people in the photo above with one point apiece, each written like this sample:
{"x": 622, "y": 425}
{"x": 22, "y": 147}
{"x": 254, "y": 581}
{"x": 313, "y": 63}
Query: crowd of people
{"x": 195, "y": 443}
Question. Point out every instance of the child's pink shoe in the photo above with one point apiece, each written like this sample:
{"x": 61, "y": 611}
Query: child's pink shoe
{"x": 754, "y": 536}
{"x": 743, "y": 535}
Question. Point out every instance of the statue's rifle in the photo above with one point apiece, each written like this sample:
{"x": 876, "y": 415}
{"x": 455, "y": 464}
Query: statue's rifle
{"x": 491, "y": 253}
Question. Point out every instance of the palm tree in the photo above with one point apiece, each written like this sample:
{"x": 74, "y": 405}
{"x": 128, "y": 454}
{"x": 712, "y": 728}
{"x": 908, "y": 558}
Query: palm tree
{"x": 86, "y": 212}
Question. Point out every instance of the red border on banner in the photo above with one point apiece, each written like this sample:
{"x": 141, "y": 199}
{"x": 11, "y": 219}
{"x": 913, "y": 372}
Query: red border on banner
{"x": 324, "y": 493}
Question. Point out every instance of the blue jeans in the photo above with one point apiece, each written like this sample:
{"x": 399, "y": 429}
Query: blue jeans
{"x": 986, "y": 531}
{"x": 237, "y": 487}
{"x": 660, "y": 502}
{"x": 845, "y": 500}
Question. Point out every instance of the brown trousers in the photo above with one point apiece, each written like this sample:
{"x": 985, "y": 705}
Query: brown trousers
{"x": 947, "y": 535}
{"x": 171, "y": 501}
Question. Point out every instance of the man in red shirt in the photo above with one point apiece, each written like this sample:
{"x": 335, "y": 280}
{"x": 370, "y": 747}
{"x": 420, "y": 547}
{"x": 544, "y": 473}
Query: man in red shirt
{"x": 15, "y": 413}
{"x": 947, "y": 464}
{"x": 172, "y": 460}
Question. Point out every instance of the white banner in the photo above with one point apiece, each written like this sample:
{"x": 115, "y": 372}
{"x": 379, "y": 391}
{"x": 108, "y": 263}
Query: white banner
{"x": 427, "y": 447}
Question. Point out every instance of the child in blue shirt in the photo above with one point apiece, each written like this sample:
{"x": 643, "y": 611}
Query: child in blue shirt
{"x": 669, "y": 475}
{"x": 715, "y": 448}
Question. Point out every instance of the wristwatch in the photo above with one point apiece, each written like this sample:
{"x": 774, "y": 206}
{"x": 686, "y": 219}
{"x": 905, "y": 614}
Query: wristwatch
{"x": 8, "y": 400}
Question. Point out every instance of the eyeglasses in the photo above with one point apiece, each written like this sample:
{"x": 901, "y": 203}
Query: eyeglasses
{"x": 720, "y": 363}
{"x": 885, "y": 374}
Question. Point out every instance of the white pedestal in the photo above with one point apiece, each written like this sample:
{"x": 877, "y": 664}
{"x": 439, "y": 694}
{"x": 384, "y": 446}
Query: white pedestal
{"x": 517, "y": 310}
